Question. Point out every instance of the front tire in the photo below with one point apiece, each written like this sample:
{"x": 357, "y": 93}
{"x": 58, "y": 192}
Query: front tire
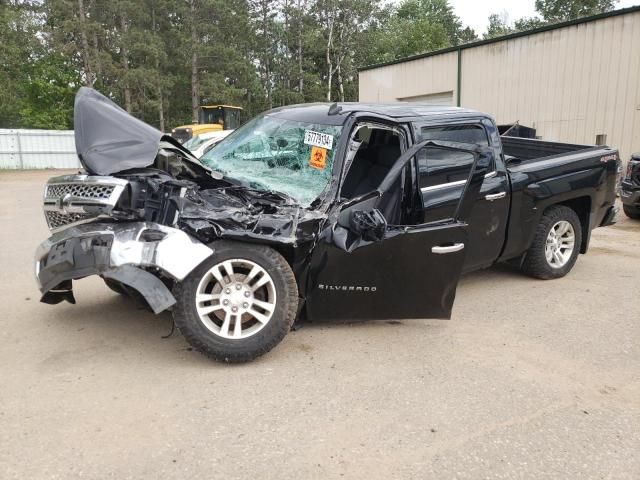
{"x": 631, "y": 211}
{"x": 556, "y": 244}
{"x": 238, "y": 304}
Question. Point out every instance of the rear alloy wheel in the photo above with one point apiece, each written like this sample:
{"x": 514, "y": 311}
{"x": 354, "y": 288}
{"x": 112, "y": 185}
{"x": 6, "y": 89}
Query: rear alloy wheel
{"x": 560, "y": 244}
{"x": 556, "y": 244}
{"x": 238, "y": 304}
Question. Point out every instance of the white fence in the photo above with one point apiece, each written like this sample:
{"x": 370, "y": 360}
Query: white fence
{"x": 26, "y": 149}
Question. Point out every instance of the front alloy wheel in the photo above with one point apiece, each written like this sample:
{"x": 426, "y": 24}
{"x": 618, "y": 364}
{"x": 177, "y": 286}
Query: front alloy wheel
{"x": 238, "y": 304}
{"x": 236, "y": 298}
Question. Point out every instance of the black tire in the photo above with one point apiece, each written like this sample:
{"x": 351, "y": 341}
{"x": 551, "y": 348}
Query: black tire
{"x": 535, "y": 262}
{"x": 246, "y": 349}
{"x": 631, "y": 211}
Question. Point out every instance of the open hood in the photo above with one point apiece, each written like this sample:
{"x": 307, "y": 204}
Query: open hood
{"x": 109, "y": 140}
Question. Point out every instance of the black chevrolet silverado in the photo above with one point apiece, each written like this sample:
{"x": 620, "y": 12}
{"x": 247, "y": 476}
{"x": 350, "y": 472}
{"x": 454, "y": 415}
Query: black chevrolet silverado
{"x": 343, "y": 211}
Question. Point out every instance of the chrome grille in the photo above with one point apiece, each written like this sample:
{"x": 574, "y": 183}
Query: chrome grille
{"x": 80, "y": 190}
{"x": 73, "y": 199}
{"x": 57, "y": 220}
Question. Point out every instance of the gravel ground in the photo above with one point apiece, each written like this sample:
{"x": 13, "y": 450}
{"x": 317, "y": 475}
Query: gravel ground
{"x": 530, "y": 379}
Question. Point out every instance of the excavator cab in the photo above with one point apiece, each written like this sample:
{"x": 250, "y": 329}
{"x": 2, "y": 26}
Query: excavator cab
{"x": 211, "y": 118}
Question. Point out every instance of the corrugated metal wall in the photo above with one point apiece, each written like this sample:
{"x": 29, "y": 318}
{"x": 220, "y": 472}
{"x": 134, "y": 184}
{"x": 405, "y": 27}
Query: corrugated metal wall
{"x": 425, "y": 76}
{"x": 570, "y": 83}
{"x": 31, "y": 149}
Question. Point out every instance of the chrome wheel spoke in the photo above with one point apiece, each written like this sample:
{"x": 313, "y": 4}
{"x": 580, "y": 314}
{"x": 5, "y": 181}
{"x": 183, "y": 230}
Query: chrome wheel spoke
{"x": 252, "y": 274}
{"x": 209, "y": 309}
{"x": 559, "y": 244}
{"x": 237, "y": 329}
{"x": 557, "y": 257}
{"x": 215, "y": 271}
{"x": 224, "y": 329}
{"x": 261, "y": 317}
{"x": 226, "y": 300}
{"x": 228, "y": 267}
{"x": 206, "y": 297}
{"x": 260, "y": 283}
{"x": 549, "y": 255}
{"x": 264, "y": 305}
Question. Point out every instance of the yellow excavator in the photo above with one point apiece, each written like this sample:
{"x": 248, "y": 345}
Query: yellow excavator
{"x": 211, "y": 118}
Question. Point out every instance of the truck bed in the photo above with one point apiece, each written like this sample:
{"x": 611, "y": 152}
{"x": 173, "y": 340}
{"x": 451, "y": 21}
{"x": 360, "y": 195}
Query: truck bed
{"x": 550, "y": 173}
{"x": 526, "y": 149}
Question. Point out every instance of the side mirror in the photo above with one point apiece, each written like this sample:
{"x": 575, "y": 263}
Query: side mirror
{"x": 363, "y": 219}
{"x": 369, "y": 224}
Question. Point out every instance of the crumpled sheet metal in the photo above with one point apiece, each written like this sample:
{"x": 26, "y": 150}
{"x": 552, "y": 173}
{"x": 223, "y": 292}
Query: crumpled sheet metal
{"x": 243, "y": 213}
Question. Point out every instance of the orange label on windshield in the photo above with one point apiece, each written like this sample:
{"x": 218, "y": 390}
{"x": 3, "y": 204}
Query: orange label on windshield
{"x": 318, "y": 158}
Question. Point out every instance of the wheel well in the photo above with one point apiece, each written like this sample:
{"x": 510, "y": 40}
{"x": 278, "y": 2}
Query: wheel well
{"x": 582, "y": 207}
{"x": 286, "y": 251}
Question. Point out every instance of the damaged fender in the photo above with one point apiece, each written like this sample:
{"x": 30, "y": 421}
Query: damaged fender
{"x": 122, "y": 251}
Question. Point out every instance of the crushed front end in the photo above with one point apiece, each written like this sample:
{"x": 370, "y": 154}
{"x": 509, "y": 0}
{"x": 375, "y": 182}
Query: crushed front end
{"x": 97, "y": 232}
{"x": 147, "y": 229}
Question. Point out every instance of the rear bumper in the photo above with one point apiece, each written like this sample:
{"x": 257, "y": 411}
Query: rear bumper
{"x": 126, "y": 252}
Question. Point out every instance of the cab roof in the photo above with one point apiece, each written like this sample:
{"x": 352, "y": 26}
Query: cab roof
{"x": 319, "y": 112}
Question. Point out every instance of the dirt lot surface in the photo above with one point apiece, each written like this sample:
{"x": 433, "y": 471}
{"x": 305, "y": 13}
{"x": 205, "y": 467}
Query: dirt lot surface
{"x": 530, "y": 379}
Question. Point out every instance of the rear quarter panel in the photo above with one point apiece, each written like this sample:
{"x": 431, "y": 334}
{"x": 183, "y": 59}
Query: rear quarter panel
{"x": 537, "y": 185}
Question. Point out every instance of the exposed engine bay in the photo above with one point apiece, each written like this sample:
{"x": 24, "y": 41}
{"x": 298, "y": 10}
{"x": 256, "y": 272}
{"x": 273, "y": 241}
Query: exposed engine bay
{"x": 178, "y": 193}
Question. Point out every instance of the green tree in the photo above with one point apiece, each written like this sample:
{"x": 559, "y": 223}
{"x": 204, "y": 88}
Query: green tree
{"x": 435, "y": 12}
{"x": 528, "y": 23}
{"x": 161, "y": 59}
{"x": 561, "y": 10}
{"x": 498, "y": 26}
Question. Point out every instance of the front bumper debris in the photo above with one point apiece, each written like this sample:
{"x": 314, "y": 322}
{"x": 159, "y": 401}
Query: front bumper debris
{"x": 126, "y": 252}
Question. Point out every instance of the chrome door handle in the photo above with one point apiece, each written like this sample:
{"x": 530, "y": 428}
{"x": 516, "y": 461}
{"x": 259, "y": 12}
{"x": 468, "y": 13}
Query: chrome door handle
{"x": 456, "y": 247}
{"x": 495, "y": 196}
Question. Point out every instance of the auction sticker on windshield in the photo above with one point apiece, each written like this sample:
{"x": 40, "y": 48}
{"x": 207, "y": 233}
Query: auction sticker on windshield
{"x": 318, "y": 139}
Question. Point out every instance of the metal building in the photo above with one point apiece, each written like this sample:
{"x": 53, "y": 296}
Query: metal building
{"x": 571, "y": 81}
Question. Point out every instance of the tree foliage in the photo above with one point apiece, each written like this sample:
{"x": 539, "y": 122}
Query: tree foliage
{"x": 561, "y": 10}
{"x": 161, "y": 59}
{"x": 549, "y": 11}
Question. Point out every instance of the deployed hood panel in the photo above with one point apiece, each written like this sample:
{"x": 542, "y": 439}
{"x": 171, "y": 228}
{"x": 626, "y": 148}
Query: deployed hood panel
{"x": 108, "y": 139}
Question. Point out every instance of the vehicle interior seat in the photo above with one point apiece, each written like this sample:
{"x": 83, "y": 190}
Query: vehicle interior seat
{"x": 370, "y": 166}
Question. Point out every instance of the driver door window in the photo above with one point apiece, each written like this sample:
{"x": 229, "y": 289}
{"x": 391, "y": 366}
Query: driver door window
{"x": 442, "y": 176}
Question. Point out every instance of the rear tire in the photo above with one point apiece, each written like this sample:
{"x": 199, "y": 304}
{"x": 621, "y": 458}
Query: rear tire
{"x": 238, "y": 304}
{"x": 631, "y": 211}
{"x": 549, "y": 255}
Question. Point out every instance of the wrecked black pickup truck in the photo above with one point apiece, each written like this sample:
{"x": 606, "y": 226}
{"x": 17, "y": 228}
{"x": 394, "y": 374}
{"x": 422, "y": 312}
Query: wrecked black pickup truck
{"x": 343, "y": 211}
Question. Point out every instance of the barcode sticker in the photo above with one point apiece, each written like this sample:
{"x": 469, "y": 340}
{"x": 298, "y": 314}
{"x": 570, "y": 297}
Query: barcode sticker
{"x": 317, "y": 139}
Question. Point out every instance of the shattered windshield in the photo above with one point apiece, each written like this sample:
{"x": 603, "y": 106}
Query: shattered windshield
{"x": 291, "y": 157}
